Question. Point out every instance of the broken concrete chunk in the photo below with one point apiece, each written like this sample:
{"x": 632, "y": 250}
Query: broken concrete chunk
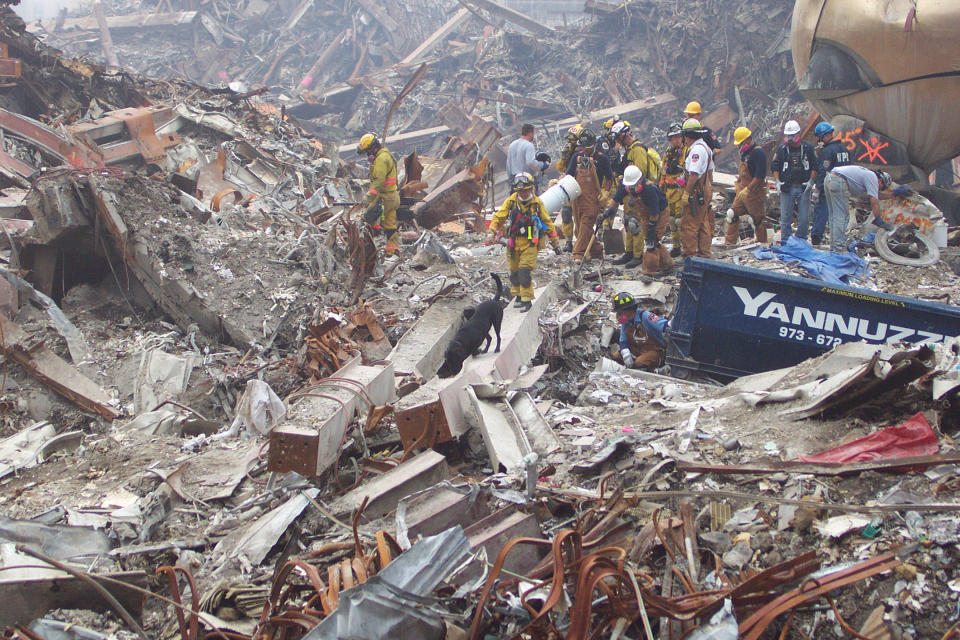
{"x": 738, "y": 556}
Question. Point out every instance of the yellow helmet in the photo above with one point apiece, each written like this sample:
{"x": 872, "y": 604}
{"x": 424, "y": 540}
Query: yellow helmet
{"x": 693, "y": 109}
{"x": 368, "y": 143}
{"x": 741, "y": 134}
{"x": 612, "y": 121}
{"x": 574, "y": 132}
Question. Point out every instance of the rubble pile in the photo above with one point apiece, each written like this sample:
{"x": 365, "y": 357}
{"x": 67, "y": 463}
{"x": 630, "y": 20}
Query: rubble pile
{"x": 338, "y": 68}
{"x": 221, "y": 410}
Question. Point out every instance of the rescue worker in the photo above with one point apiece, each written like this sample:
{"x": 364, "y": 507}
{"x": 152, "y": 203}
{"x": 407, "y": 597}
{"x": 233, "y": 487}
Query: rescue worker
{"x": 383, "y": 189}
{"x": 590, "y": 170}
{"x": 793, "y": 168}
{"x": 637, "y": 153}
{"x": 608, "y": 146}
{"x": 751, "y": 188}
{"x": 522, "y": 219}
{"x": 696, "y": 222}
{"x": 522, "y": 156}
{"x": 671, "y": 181}
{"x": 830, "y": 154}
{"x": 642, "y": 343}
{"x": 843, "y": 182}
{"x": 692, "y": 110}
{"x": 566, "y": 211}
{"x": 645, "y": 221}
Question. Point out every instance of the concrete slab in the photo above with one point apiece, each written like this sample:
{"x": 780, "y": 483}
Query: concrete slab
{"x": 512, "y": 428}
{"x": 520, "y": 335}
{"x": 658, "y": 291}
{"x": 420, "y": 350}
{"x": 520, "y": 339}
{"x": 386, "y": 490}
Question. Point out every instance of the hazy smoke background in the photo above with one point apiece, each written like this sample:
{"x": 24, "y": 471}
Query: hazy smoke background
{"x": 41, "y": 9}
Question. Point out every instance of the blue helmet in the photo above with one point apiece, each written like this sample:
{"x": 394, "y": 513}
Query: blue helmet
{"x": 823, "y": 129}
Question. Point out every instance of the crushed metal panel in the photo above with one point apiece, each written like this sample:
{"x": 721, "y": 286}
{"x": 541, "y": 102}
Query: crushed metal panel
{"x": 139, "y": 124}
{"x": 48, "y": 140}
{"x": 27, "y": 600}
{"x": 386, "y": 490}
{"x": 53, "y": 371}
{"x": 497, "y": 529}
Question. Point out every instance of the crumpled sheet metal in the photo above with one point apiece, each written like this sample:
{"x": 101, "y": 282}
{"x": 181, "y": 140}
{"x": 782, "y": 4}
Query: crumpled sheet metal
{"x": 395, "y": 598}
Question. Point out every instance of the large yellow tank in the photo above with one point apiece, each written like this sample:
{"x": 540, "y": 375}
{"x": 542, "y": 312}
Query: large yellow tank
{"x": 894, "y": 64}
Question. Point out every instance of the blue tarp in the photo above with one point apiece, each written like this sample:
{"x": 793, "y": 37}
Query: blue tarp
{"x": 837, "y": 268}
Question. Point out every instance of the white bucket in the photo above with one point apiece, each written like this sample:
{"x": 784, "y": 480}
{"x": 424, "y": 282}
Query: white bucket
{"x": 940, "y": 233}
{"x": 560, "y": 194}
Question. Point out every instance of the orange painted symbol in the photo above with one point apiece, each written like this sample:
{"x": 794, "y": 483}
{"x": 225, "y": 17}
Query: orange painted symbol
{"x": 873, "y": 148}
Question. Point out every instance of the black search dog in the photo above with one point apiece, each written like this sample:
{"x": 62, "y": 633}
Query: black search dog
{"x": 474, "y": 331}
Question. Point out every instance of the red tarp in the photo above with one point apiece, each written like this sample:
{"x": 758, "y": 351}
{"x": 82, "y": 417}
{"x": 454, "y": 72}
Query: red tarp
{"x": 912, "y": 438}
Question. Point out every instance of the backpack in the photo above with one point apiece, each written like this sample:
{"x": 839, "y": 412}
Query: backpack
{"x": 654, "y": 164}
{"x": 708, "y": 136}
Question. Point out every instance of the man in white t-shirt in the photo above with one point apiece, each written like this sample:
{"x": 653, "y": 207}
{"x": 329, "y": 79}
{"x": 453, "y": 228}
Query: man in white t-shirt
{"x": 696, "y": 220}
{"x": 852, "y": 180}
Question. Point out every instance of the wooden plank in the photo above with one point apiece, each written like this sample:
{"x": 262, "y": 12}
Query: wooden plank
{"x": 53, "y": 371}
{"x": 510, "y": 15}
{"x": 511, "y": 98}
{"x": 437, "y": 37}
{"x": 132, "y": 21}
{"x": 624, "y": 110}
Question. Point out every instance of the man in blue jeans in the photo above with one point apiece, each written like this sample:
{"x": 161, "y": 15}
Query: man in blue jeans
{"x": 793, "y": 168}
{"x": 832, "y": 154}
{"x": 842, "y": 183}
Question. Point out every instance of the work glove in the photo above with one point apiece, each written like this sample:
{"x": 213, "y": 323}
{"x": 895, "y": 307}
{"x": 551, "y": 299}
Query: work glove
{"x": 731, "y": 216}
{"x": 902, "y": 190}
{"x": 608, "y": 213}
{"x": 627, "y": 357}
{"x": 815, "y": 196}
{"x": 490, "y": 239}
{"x": 780, "y": 186}
{"x": 682, "y": 182}
{"x": 555, "y": 243}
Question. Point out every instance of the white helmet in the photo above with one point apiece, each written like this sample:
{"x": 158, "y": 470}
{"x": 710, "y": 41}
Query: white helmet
{"x": 632, "y": 175}
{"x": 619, "y": 127}
{"x": 792, "y": 128}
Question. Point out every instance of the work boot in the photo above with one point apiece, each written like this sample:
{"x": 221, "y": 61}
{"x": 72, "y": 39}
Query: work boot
{"x": 624, "y": 259}
{"x": 633, "y": 264}
{"x": 517, "y": 302}
{"x": 568, "y": 248}
{"x": 815, "y": 240}
{"x": 525, "y": 306}
{"x": 675, "y": 251}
